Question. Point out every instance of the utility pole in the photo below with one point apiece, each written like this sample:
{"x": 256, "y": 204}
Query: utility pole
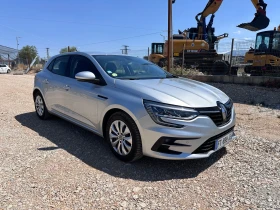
{"x": 48, "y": 56}
{"x": 231, "y": 53}
{"x": 169, "y": 50}
{"x": 17, "y": 49}
{"x": 124, "y": 51}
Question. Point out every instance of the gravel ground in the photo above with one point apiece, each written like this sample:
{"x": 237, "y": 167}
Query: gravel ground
{"x": 56, "y": 165}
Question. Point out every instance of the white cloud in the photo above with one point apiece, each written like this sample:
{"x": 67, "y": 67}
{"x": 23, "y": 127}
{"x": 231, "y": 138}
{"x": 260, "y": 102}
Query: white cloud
{"x": 237, "y": 32}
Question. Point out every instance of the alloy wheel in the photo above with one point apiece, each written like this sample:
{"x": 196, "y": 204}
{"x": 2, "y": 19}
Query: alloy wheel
{"x": 120, "y": 137}
{"x": 39, "y": 104}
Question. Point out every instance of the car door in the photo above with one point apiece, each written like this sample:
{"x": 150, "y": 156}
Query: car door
{"x": 55, "y": 84}
{"x": 82, "y": 97}
{"x": 1, "y": 68}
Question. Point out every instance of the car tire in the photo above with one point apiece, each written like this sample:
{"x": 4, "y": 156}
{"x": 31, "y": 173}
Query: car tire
{"x": 125, "y": 145}
{"x": 8, "y": 71}
{"x": 40, "y": 107}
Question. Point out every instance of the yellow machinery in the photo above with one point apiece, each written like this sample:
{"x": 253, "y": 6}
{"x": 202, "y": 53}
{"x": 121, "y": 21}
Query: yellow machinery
{"x": 196, "y": 45}
{"x": 265, "y": 58}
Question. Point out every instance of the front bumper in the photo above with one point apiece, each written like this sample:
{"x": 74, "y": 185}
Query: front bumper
{"x": 197, "y": 139}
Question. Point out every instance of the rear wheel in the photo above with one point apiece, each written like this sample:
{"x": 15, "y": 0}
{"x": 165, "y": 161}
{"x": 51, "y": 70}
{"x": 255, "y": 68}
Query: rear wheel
{"x": 8, "y": 71}
{"x": 40, "y": 107}
{"x": 123, "y": 137}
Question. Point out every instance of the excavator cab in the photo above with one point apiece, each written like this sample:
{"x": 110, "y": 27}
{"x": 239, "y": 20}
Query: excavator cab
{"x": 156, "y": 55}
{"x": 260, "y": 22}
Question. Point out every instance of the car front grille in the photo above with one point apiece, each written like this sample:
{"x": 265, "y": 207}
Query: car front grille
{"x": 216, "y": 115}
{"x": 210, "y": 143}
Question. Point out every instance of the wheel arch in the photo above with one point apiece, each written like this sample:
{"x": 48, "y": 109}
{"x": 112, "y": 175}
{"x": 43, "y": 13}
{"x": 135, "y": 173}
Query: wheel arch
{"x": 113, "y": 109}
{"x": 38, "y": 90}
{"x": 34, "y": 92}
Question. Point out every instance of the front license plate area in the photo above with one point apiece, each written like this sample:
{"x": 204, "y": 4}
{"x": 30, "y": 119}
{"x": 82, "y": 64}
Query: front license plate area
{"x": 221, "y": 142}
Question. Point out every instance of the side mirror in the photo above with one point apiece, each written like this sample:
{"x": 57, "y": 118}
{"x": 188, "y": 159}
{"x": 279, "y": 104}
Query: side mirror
{"x": 86, "y": 76}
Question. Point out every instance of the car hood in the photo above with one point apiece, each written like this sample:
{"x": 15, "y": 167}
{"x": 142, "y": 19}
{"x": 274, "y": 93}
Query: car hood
{"x": 177, "y": 91}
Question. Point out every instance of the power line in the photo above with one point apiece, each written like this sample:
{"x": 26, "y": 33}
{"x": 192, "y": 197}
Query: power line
{"x": 87, "y": 23}
{"x": 110, "y": 40}
{"x": 120, "y": 39}
{"x": 40, "y": 37}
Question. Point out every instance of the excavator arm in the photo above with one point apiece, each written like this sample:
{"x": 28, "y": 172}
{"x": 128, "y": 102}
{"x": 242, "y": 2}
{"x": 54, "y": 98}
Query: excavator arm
{"x": 211, "y": 8}
{"x": 258, "y": 3}
{"x": 259, "y": 22}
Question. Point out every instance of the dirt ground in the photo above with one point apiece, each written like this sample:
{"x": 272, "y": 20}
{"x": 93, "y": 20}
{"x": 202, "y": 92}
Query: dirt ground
{"x": 56, "y": 165}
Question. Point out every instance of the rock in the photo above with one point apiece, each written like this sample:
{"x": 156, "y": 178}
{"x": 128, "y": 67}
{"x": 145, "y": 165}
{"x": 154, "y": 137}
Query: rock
{"x": 136, "y": 189}
{"x": 124, "y": 204}
{"x": 143, "y": 205}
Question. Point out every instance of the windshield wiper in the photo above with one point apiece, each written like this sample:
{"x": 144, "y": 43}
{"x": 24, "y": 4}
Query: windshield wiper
{"x": 171, "y": 76}
{"x": 129, "y": 78}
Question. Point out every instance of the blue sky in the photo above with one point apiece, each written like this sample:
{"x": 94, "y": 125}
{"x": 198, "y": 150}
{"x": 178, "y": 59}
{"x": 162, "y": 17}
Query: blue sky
{"x": 107, "y": 25}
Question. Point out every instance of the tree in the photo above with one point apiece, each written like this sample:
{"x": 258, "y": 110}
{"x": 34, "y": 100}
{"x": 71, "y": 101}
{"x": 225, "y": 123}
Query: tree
{"x": 71, "y": 49}
{"x": 28, "y": 53}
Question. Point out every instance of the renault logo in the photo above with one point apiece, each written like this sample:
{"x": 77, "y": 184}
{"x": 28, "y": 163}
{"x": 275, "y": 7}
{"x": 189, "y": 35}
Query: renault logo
{"x": 223, "y": 110}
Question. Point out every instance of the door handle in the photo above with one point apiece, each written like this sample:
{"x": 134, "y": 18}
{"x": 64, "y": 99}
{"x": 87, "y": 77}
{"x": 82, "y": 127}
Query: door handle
{"x": 46, "y": 81}
{"x": 66, "y": 87}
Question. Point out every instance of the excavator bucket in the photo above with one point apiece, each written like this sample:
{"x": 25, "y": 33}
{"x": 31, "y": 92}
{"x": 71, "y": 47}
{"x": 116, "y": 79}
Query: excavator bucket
{"x": 260, "y": 22}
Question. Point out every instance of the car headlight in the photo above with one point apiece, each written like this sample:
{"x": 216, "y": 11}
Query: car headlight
{"x": 168, "y": 115}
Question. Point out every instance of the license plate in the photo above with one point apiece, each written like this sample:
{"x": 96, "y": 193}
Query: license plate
{"x": 224, "y": 140}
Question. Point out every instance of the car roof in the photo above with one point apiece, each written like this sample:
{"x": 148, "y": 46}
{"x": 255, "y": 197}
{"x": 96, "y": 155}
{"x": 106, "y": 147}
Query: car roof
{"x": 82, "y": 53}
{"x": 89, "y": 53}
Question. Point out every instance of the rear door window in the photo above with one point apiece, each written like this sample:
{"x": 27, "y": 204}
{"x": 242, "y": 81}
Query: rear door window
{"x": 60, "y": 65}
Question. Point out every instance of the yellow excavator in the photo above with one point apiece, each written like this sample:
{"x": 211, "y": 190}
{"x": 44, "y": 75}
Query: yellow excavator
{"x": 197, "y": 45}
{"x": 264, "y": 59}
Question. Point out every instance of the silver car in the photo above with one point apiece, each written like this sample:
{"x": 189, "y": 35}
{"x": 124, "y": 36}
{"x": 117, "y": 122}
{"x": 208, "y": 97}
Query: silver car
{"x": 139, "y": 108}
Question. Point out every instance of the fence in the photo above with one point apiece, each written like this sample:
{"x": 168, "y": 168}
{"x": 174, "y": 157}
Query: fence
{"x": 240, "y": 47}
{"x": 231, "y": 52}
{"x": 8, "y": 56}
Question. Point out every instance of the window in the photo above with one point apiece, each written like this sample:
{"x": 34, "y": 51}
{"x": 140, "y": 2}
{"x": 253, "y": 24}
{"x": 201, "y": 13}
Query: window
{"x": 262, "y": 42}
{"x": 80, "y": 63}
{"x": 60, "y": 65}
{"x": 157, "y": 48}
{"x": 51, "y": 65}
{"x": 128, "y": 67}
{"x": 276, "y": 41}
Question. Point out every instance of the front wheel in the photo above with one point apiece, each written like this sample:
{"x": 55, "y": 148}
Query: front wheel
{"x": 123, "y": 137}
{"x": 8, "y": 71}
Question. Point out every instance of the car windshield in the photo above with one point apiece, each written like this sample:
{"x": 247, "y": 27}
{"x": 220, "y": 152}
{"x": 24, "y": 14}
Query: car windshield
{"x": 129, "y": 67}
